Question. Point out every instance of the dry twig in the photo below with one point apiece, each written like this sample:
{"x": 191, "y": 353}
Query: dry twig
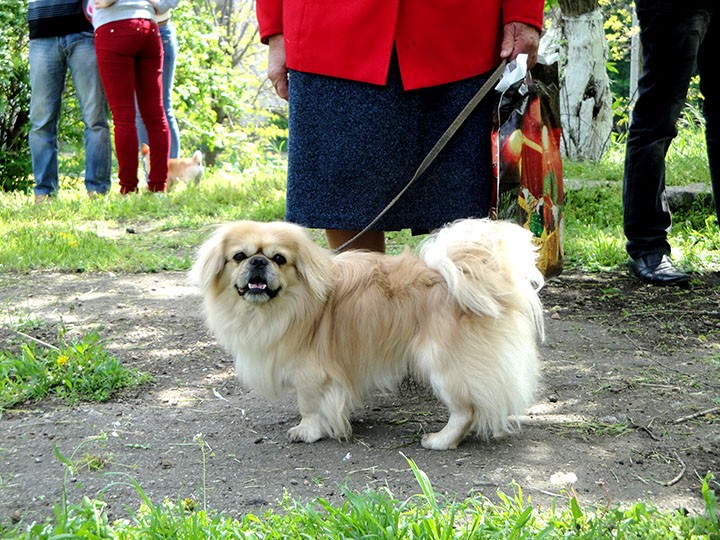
{"x": 36, "y": 340}
{"x": 679, "y": 475}
{"x": 697, "y": 415}
{"x": 646, "y": 430}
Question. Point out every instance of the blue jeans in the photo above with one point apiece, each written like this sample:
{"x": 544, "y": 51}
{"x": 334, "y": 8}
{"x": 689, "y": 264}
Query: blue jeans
{"x": 50, "y": 58}
{"x": 169, "y": 41}
{"x": 678, "y": 40}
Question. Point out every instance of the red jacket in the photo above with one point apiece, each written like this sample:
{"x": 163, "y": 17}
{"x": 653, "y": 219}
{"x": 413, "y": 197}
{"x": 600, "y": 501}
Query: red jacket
{"x": 438, "y": 41}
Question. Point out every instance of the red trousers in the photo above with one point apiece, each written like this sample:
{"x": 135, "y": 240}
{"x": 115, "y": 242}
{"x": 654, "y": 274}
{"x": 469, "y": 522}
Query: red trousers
{"x": 129, "y": 57}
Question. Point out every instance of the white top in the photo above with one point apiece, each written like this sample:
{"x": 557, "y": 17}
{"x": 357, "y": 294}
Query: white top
{"x": 132, "y": 9}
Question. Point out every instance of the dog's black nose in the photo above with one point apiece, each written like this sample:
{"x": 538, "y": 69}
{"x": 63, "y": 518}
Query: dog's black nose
{"x": 258, "y": 262}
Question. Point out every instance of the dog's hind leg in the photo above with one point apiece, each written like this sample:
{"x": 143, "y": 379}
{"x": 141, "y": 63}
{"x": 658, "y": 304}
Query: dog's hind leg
{"x": 324, "y": 412}
{"x": 458, "y": 425}
{"x": 449, "y": 385}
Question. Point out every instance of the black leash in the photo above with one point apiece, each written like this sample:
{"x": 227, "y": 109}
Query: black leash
{"x": 439, "y": 145}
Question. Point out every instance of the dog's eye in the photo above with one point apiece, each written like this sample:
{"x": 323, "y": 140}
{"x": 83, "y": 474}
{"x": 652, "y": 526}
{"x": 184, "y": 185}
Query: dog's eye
{"x": 239, "y": 257}
{"x": 279, "y": 259}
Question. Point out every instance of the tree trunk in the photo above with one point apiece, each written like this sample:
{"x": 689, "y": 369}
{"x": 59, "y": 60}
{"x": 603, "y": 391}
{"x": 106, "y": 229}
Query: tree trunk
{"x": 585, "y": 97}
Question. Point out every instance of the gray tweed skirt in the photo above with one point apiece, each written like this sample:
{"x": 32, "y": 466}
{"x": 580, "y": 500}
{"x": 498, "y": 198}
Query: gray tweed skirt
{"x": 354, "y": 146}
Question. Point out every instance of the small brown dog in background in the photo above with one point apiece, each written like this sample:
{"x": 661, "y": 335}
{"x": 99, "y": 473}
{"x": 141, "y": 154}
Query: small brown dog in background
{"x": 185, "y": 169}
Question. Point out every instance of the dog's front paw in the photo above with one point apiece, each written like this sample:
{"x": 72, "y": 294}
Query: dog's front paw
{"x": 438, "y": 441}
{"x": 305, "y": 431}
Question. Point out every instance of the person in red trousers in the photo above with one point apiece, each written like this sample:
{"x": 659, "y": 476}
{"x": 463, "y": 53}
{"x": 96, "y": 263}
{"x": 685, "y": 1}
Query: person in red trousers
{"x": 372, "y": 85}
{"x": 129, "y": 56}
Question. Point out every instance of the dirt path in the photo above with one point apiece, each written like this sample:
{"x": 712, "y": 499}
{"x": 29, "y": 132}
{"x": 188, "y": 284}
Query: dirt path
{"x": 624, "y": 367}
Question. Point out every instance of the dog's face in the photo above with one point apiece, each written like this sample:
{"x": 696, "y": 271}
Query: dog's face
{"x": 262, "y": 263}
{"x": 259, "y": 270}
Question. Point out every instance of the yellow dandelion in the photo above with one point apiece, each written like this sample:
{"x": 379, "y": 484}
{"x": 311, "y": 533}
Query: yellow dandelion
{"x": 62, "y": 360}
{"x": 189, "y": 505}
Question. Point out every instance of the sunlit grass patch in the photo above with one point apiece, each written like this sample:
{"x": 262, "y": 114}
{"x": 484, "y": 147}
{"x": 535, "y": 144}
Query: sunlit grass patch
{"x": 74, "y": 370}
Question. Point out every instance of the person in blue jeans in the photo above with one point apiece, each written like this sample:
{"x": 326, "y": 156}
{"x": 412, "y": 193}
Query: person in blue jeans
{"x": 61, "y": 39}
{"x": 679, "y": 39}
{"x": 169, "y": 42}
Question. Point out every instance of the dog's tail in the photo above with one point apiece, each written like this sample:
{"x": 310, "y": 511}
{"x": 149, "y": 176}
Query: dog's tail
{"x": 198, "y": 157}
{"x": 489, "y": 265}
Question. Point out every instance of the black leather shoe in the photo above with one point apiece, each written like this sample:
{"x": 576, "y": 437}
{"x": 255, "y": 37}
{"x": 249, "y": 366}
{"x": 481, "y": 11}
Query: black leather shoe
{"x": 657, "y": 269}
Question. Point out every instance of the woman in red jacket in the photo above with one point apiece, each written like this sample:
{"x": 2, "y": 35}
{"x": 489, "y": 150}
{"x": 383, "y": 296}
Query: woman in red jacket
{"x": 372, "y": 85}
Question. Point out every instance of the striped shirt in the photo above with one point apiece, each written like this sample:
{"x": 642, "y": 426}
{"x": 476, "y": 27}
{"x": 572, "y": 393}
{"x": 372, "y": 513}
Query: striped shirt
{"x": 53, "y": 18}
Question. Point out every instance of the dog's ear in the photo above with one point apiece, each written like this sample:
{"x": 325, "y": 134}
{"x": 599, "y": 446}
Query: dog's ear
{"x": 315, "y": 267}
{"x": 210, "y": 261}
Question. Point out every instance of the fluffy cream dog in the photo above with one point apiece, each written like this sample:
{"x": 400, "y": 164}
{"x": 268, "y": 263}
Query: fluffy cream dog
{"x": 464, "y": 317}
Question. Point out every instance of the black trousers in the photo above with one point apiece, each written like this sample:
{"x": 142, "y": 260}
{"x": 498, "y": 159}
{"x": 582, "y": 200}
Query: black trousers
{"x": 679, "y": 39}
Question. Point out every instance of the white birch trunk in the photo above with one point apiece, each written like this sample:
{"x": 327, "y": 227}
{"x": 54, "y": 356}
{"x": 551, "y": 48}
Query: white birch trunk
{"x": 585, "y": 98}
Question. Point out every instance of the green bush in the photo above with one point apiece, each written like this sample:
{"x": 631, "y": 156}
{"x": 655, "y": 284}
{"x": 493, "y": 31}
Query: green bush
{"x": 14, "y": 98}
{"x": 219, "y": 95}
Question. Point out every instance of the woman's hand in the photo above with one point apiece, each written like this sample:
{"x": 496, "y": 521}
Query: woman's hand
{"x": 277, "y": 69}
{"x": 520, "y": 38}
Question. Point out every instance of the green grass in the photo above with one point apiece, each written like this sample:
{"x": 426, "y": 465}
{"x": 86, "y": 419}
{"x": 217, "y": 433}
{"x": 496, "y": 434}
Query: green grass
{"x": 139, "y": 233}
{"x": 74, "y": 370}
{"x": 686, "y": 161}
{"x": 594, "y": 239}
{"x": 374, "y": 514}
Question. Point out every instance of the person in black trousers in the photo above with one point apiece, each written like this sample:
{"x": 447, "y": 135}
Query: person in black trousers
{"x": 679, "y": 39}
